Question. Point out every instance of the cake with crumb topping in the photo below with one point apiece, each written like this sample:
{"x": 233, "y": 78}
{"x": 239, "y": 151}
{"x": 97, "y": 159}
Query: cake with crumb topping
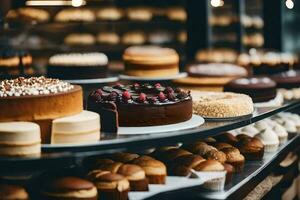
{"x": 40, "y": 100}
{"x": 221, "y": 104}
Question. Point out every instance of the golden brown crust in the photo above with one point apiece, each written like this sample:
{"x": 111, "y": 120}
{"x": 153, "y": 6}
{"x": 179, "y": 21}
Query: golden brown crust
{"x": 8, "y": 192}
{"x": 151, "y": 166}
{"x": 112, "y": 167}
{"x": 216, "y": 155}
{"x": 222, "y": 145}
{"x": 210, "y": 165}
{"x": 42, "y": 109}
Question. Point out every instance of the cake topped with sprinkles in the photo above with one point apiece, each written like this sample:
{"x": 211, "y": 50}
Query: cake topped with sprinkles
{"x": 33, "y": 86}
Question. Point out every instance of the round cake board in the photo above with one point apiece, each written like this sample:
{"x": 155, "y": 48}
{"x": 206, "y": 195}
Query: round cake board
{"x": 162, "y": 78}
{"x": 93, "y": 81}
{"x": 195, "y": 121}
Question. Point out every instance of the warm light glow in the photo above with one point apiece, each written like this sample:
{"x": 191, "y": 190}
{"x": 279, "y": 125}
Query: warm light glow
{"x": 289, "y": 4}
{"x": 77, "y": 3}
{"x": 217, "y": 3}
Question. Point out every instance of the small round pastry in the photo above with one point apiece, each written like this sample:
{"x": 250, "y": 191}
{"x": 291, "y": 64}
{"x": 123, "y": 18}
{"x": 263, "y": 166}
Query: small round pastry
{"x": 160, "y": 37}
{"x": 216, "y": 70}
{"x": 110, "y": 186}
{"x": 281, "y": 133}
{"x": 110, "y": 13}
{"x": 29, "y": 14}
{"x": 229, "y": 172}
{"x": 222, "y": 145}
{"x": 134, "y": 38}
{"x": 158, "y": 152}
{"x": 288, "y": 80}
{"x": 124, "y": 157}
{"x": 170, "y": 155}
{"x": 215, "y": 155}
{"x": 216, "y": 56}
{"x": 78, "y": 66}
{"x": 76, "y": 129}
{"x": 270, "y": 139}
{"x": 11, "y": 192}
{"x": 136, "y": 177}
{"x": 227, "y": 138}
{"x": 183, "y": 165}
{"x": 176, "y": 14}
{"x": 261, "y": 125}
{"x": 75, "y": 15}
{"x": 15, "y": 62}
{"x": 221, "y": 104}
{"x": 108, "y": 38}
{"x": 111, "y": 167}
{"x": 251, "y": 148}
{"x": 139, "y": 14}
{"x": 199, "y": 148}
{"x": 250, "y": 130}
{"x": 235, "y": 158}
{"x": 155, "y": 170}
{"x": 30, "y": 99}
{"x": 260, "y": 89}
{"x": 290, "y": 126}
{"x": 212, "y": 166}
{"x": 150, "y": 61}
{"x": 20, "y": 139}
{"x": 209, "y": 140}
{"x": 69, "y": 188}
{"x": 182, "y": 36}
{"x": 242, "y": 136}
{"x": 80, "y": 39}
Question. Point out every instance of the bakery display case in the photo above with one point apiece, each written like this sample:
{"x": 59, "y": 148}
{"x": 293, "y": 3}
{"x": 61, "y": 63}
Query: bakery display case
{"x": 139, "y": 99}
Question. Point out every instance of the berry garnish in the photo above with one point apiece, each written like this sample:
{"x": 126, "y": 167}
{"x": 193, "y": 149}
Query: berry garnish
{"x": 142, "y": 97}
{"x": 152, "y": 100}
{"x": 157, "y": 85}
{"x": 171, "y": 96}
{"x": 99, "y": 91}
{"x": 113, "y": 96}
{"x": 126, "y": 96}
{"x": 161, "y": 97}
{"x": 169, "y": 90}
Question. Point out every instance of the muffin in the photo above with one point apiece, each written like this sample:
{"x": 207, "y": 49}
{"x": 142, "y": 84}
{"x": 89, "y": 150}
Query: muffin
{"x": 229, "y": 172}
{"x": 10, "y": 192}
{"x": 212, "y": 166}
{"x": 182, "y": 165}
{"x": 222, "y": 145}
{"x": 109, "y": 185}
{"x": 110, "y": 13}
{"x": 281, "y": 133}
{"x": 111, "y": 167}
{"x": 69, "y": 188}
{"x": 134, "y": 38}
{"x": 215, "y": 155}
{"x": 108, "y": 38}
{"x": 242, "y": 136}
{"x": 251, "y": 148}
{"x": 155, "y": 170}
{"x": 172, "y": 154}
{"x": 158, "y": 152}
{"x": 200, "y": 148}
{"x": 227, "y": 138}
{"x": 235, "y": 158}
{"x": 136, "y": 177}
{"x": 139, "y": 14}
{"x": 250, "y": 130}
{"x": 270, "y": 140}
{"x": 124, "y": 157}
{"x": 209, "y": 140}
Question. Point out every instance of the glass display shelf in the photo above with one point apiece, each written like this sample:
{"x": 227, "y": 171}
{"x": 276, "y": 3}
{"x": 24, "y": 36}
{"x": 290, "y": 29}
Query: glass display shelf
{"x": 110, "y": 144}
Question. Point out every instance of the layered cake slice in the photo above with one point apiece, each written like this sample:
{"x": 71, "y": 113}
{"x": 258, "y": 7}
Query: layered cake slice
{"x": 142, "y": 105}
{"x": 78, "y": 66}
{"x": 40, "y": 100}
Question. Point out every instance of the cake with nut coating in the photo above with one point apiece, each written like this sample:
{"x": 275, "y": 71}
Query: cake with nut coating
{"x": 221, "y": 104}
{"x": 40, "y": 100}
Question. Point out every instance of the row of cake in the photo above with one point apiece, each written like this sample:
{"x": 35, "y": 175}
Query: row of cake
{"x": 132, "y": 37}
{"x": 114, "y": 176}
{"x": 90, "y": 15}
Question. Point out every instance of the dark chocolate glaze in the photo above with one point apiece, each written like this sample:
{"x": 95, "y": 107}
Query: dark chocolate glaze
{"x": 78, "y": 72}
{"x": 288, "y": 80}
{"x": 143, "y": 105}
{"x": 260, "y": 89}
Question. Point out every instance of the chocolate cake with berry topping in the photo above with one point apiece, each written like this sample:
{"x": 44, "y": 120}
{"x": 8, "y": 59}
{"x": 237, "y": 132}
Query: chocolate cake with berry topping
{"x": 142, "y": 105}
